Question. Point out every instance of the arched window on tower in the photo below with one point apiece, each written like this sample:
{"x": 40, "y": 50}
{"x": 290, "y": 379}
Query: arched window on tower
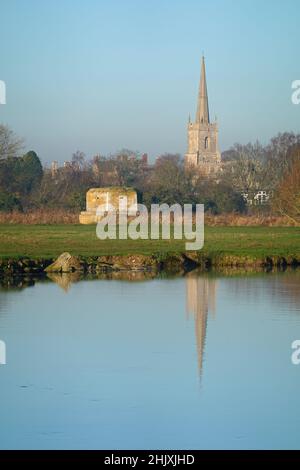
{"x": 206, "y": 143}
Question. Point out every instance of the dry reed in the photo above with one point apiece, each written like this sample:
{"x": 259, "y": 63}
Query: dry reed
{"x": 62, "y": 216}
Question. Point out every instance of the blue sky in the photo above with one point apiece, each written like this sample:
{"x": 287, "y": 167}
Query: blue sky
{"x": 103, "y": 75}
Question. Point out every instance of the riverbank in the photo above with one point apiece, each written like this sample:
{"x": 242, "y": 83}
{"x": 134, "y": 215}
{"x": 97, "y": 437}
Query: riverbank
{"x": 32, "y": 248}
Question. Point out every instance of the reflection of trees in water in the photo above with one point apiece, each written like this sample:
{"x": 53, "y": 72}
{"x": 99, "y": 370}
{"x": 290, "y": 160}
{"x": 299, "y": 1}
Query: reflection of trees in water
{"x": 288, "y": 287}
{"x": 3, "y": 300}
{"x": 200, "y": 299}
{"x": 65, "y": 280}
{"x": 12, "y": 284}
{"x": 280, "y": 287}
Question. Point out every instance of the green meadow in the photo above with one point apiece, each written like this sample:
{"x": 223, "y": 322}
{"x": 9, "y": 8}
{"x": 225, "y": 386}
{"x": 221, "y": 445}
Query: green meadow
{"x": 49, "y": 241}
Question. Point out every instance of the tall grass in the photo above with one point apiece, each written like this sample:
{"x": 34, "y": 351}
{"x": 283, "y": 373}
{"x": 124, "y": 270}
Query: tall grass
{"x": 62, "y": 216}
{"x": 238, "y": 220}
{"x": 40, "y": 216}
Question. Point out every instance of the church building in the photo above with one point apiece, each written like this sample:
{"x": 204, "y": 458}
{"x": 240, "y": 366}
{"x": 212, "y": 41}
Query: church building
{"x": 203, "y": 151}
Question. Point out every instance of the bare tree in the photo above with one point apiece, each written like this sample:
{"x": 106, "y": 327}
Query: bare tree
{"x": 78, "y": 159}
{"x": 278, "y": 156}
{"x": 10, "y": 144}
{"x": 287, "y": 197}
{"x": 245, "y": 171}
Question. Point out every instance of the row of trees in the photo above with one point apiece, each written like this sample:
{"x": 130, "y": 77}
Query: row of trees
{"x": 287, "y": 196}
{"x": 20, "y": 176}
{"x": 25, "y": 184}
{"x": 274, "y": 168}
{"x": 254, "y": 166}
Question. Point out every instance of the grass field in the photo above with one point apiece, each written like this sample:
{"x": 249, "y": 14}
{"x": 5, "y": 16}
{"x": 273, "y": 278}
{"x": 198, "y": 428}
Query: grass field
{"x": 49, "y": 241}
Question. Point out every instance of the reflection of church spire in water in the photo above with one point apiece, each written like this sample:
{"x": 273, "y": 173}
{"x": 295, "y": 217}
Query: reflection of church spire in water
{"x": 200, "y": 298}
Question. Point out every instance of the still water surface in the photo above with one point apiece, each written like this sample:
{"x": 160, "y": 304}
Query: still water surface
{"x": 196, "y": 362}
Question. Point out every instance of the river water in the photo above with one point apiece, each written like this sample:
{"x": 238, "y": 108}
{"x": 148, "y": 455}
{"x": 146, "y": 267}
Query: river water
{"x": 195, "y": 362}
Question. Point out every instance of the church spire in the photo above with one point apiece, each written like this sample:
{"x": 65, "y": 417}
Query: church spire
{"x": 202, "y": 115}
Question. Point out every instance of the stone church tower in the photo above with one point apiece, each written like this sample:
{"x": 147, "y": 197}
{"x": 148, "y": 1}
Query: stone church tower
{"x": 203, "y": 152}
